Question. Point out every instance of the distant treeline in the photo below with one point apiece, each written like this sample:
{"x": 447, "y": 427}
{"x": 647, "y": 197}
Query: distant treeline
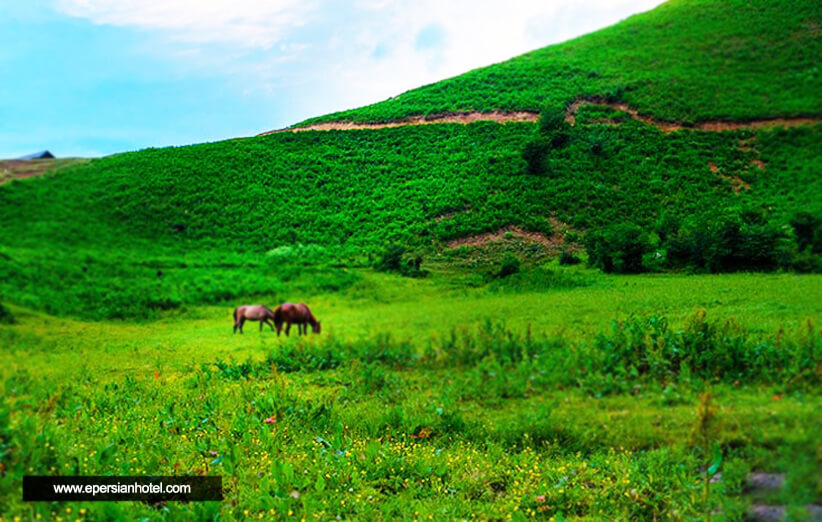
{"x": 709, "y": 242}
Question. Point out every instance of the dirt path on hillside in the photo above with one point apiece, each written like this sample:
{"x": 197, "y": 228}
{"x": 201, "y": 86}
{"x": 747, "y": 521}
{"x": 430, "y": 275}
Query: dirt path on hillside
{"x": 570, "y": 117}
{"x": 665, "y": 126}
{"x": 456, "y": 117}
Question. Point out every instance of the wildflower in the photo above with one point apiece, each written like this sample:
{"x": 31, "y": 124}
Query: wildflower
{"x": 270, "y": 420}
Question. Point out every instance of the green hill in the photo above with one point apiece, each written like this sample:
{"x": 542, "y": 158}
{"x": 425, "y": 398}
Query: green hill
{"x": 686, "y": 61}
{"x": 158, "y": 228}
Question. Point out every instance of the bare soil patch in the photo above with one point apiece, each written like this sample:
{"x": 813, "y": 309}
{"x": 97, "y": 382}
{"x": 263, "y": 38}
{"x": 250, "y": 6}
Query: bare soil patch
{"x": 554, "y": 242}
{"x": 666, "y": 126}
{"x": 456, "y": 117}
{"x": 758, "y": 163}
{"x": 737, "y": 183}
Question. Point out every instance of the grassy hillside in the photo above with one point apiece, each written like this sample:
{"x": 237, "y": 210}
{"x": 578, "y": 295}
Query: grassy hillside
{"x": 155, "y": 229}
{"x": 686, "y": 61}
{"x": 216, "y": 221}
{"x": 360, "y": 189}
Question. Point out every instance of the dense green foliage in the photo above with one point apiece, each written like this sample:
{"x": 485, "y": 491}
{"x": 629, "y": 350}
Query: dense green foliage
{"x": 219, "y": 208}
{"x": 360, "y": 189}
{"x": 711, "y": 241}
{"x": 6, "y": 317}
{"x": 510, "y": 265}
{"x": 685, "y": 61}
{"x": 618, "y": 248}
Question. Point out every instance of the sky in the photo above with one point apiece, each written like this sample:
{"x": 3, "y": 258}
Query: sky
{"x": 94, "y": 77}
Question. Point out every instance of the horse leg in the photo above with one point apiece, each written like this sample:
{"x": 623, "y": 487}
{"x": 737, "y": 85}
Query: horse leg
{"x": 242, "y": 322}
{"x": 270, "y": 324}
{"x": 287, "y": 329}
{"x": 261, "y": 325}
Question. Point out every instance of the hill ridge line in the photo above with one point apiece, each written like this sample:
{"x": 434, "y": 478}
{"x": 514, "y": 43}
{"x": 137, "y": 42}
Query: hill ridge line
{"x": 467, "y": 117}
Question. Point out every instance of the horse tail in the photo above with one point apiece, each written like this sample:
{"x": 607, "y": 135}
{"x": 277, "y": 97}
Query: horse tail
{"x": 278, "y": 315}
{"x": 236, "y": 310}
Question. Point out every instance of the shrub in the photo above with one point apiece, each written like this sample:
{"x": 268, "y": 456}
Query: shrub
{"x": 391, "y": 258}
{"x": 510, "y": 265}
{"x": 808, "y": 231}
{"x": 567, "y": 258}
{"x": 731, "y": 242}
{"x": 411, "y": 266}
{"x": 571, "y": 237}
{"x": 6, "y": 317}
{"x": 655, "y": 261}
{"x": 667, "y": 225}
{"x": 553, "y": 126}
{"x": 299, "y": 253}
{"x": 395, "y": 259}
{"x": 534, "y": 155}
{"x": 618, "y": 248}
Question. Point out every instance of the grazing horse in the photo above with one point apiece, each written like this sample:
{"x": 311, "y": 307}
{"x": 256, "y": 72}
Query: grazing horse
{"x": 260, "y": 313}
{"x": 298, "y": 314}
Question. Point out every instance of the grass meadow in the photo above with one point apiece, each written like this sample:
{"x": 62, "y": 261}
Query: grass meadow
{"x": 434, "y": 399}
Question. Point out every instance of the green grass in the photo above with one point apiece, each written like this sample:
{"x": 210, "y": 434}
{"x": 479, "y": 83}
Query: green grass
{"x": 407, "y": 307}
{"x": 685, "y": 61}
{"x": 507, "y": 432}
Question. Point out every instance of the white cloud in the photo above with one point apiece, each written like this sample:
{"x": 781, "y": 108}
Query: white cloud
{"x": 474, "y": 34}
{"x": 247, "y": 23}
{"x": 324, "y": 55}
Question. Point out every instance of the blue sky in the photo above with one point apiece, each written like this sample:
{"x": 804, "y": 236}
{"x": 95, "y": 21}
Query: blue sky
{"x": 94, "y": 77}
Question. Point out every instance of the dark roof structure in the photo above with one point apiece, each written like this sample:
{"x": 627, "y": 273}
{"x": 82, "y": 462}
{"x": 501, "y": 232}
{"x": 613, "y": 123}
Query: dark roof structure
{"x": 38, "y": 155}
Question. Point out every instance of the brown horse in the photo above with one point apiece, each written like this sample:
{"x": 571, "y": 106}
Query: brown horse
{"x": 260, "y": 313}
{"x": 298, "y": 314}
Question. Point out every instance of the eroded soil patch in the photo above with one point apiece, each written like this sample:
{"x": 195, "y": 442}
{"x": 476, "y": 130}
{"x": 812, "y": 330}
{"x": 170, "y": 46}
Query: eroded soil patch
{"x": 570, "y": 116}
{"x": 457, "y": 117}
{"x": 665, "y": 126}
{"x": 552, "y": 243}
